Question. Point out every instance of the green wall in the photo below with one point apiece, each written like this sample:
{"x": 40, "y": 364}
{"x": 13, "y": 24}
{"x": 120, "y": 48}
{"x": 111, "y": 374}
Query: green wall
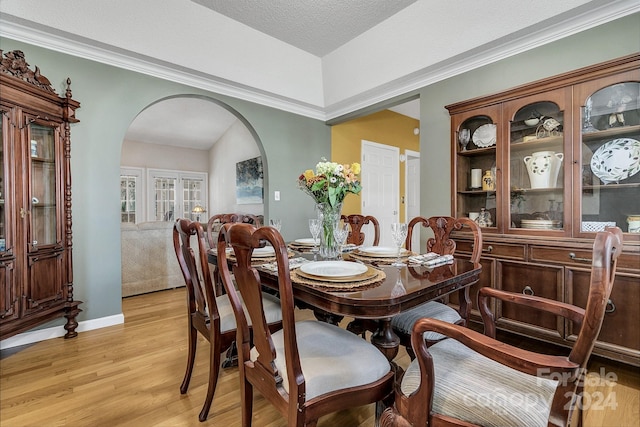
{"x": 110, "y": 99}
{"x": 612, "y": 40}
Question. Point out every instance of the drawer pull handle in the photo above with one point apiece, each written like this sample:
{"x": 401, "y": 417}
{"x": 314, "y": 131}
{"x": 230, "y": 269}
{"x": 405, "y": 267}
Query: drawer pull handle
{"x": 611, "y": 307}
{"x": 527, "y": 290}
{"x": 488, "y": 250}
{"x": 573, "y": 257}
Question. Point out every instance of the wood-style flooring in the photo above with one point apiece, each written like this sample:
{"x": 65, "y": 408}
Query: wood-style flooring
{"x": 130, "y": 375}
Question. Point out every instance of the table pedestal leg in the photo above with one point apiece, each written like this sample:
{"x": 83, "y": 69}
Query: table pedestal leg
{"x": 386, "y": 340}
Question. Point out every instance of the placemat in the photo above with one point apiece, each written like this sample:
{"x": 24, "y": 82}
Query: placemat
{"x": 374, "y": 281}
{"x": 380, "y": 260}
{"x": 259, "y": 260}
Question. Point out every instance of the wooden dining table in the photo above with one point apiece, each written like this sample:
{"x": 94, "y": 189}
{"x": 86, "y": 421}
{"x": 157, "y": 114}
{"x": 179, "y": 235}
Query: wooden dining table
{"x": 401, "y": 289}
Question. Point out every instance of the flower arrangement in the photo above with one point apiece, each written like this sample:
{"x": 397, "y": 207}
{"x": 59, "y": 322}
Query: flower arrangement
{"x": 331, "y": 182}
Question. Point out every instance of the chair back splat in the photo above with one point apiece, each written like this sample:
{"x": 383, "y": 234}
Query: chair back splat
{"x": 356, "y": 221}
{"x": 309, "y": 368}
{"x": 473, "y": 379}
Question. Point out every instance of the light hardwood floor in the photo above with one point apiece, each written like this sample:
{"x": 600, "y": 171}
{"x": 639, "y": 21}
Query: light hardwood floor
{"x": 129, "y": 375}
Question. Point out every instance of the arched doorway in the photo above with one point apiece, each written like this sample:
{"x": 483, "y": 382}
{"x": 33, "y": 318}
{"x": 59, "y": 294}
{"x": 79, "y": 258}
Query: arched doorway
{"x": 178, "y": 153}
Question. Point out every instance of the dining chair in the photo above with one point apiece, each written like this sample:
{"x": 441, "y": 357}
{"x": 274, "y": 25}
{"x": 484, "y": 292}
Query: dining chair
{"x": 213, "y": 226}
{"x": 356, "y": 221}
{"x": 443, "y": 244}
{"x": 473, "y": 379}
{"x": 307, "y": 369}
{"x": 208, "y": 315}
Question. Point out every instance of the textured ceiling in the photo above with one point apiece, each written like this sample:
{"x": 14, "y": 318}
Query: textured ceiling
{"x": 315, "y": 26}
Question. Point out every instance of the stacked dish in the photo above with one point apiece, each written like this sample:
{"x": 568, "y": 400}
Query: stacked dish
{"x": 541, "y": 224}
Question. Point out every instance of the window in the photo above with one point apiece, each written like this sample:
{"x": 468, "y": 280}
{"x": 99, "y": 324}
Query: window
{"x": 131, "y": 195}
{"x": 174, "y": 194}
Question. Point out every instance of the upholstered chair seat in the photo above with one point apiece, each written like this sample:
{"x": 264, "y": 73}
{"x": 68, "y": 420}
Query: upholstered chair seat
{"x": 470, "y": 385}
{"x": 228, "y": 320}
{"x": 357, "y": 363}
{"x": 403, "y": 323}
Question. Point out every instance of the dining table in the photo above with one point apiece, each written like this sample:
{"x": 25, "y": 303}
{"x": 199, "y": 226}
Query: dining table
{"x": 390, "y": 290}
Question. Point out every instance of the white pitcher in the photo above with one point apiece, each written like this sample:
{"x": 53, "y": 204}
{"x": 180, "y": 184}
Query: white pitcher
{"x": 543, "y": 168}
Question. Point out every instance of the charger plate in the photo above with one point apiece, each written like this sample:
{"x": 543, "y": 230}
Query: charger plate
{"x": 381, "y": 251}
{"x": 368, "y": 274}
{"x": 351, "y": 286}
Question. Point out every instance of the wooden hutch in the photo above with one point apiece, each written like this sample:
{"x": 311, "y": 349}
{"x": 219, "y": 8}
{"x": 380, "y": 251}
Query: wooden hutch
{"x": 561, "y": 157}
{"x": 36, "y": 274}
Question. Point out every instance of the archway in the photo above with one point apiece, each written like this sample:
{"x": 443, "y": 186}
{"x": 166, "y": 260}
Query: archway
{"x": 179, "y": 152}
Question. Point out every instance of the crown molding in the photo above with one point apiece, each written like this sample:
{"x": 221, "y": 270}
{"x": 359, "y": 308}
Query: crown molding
{"x": 484, "y": 55}
{"x": 49, "y": 38}
{"x": 547, "y": 32}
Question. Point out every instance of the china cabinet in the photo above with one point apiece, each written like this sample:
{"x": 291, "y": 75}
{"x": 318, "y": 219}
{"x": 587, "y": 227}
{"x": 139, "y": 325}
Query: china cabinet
{"x": 563, "y": 158}
{"x": 36, "y": 283}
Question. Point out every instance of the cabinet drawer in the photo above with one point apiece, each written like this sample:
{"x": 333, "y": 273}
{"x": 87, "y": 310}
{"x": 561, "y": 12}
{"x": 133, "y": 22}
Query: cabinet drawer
{"x": 626, "y": 261}
{"x": 501, "y": 250}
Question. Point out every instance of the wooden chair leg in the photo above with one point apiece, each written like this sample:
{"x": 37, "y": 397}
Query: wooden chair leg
{"x": 214, "y": 371}
{"x": 246, "y": 399}
{"x": 191, "y": 357}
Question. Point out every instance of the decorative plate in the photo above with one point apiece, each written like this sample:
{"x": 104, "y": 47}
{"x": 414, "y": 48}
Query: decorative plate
{"x": 616, "y": 160}
{"x": 485, "y": 136}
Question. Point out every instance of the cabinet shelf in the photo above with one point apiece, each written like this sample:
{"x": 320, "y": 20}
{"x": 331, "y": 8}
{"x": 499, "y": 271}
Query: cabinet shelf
{"x": 610, "y": 186}
{"x": 538, "y": 144}
{"x": 477, "y": 192}
{"x": 538, "y": 190}
{"x": 611, "y": 133}
{"x": 478, "y": 152}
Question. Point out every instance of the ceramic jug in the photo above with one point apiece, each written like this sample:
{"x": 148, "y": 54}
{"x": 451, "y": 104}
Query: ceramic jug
{"x": 543, "y": 168}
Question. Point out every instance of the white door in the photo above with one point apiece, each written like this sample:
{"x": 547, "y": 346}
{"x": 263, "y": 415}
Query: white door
{"x": 412, "y": 198}
{"x": 380, "y": 188}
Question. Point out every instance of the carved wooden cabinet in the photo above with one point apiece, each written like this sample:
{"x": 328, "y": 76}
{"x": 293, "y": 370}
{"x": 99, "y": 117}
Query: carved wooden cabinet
{"x": 562, "y": 157}
{"x": 36, "y": 283}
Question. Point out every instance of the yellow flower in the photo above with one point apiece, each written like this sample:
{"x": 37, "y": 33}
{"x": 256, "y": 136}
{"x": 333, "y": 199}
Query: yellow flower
{"x": 355, "y": 167}
{"x": 308, "y": 174}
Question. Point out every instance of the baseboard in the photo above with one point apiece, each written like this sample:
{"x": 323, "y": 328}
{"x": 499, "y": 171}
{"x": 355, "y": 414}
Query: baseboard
{"x": 31, "y": 337}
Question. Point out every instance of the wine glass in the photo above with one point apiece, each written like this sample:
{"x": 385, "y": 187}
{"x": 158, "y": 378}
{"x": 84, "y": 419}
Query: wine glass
{"x": 340, "y": 233}
{"x": 399, "y": 235}
{"x": 463, "y": 137}
{"x": 315, "y": 226}
{"x": 275, "y": 223}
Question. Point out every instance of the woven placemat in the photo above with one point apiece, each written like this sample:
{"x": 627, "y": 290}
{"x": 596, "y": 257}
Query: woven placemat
{"x": 372, "y": 282}
{"x": 380, "y": 260}
{"x": 300, "y": 248}
{"x": 259, "y": 260}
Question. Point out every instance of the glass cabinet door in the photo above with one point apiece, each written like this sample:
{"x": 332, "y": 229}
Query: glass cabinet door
{"x": 536, "y": 164}
{"x": 609, "y": 182}
{"x": 43, "y": 185}
{"x": 3, "y": 192}
{"x": 475, "y": 140}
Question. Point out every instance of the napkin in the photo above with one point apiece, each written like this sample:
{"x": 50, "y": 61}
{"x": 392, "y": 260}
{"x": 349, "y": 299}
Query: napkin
{"x": 431, "y": 259}
{"x": 293, "y": 264}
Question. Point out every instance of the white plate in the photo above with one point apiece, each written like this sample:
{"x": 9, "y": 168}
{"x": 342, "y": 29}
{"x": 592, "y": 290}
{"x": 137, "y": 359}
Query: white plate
{"x": 380, "y": 251}
{"x": 485, "y": 136}
{"x": 305, "y": 242}
{"x": 333, "y": 268}
{"x": 267, "y": 251}
{"x": 616, "y": 160}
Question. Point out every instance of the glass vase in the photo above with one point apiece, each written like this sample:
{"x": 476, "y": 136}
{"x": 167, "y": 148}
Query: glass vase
{"x": 329, "y": 216}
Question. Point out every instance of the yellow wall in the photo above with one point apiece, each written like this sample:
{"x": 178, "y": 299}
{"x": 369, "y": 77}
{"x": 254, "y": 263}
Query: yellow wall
{"x": 384, "y": 127}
